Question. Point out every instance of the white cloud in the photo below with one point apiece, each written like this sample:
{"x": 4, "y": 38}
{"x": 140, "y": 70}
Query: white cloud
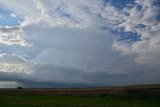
{"x": 12, "y": 35}
{"x": 14, "y": 63}
{"x": 13, "y": 15}
{"x": 141, "y": 19}
{"x": 111, "y": 16}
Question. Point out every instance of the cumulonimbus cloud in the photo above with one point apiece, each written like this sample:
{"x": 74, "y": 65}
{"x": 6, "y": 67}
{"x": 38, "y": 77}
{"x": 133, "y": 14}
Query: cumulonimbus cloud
{"x": 71, "y": 41}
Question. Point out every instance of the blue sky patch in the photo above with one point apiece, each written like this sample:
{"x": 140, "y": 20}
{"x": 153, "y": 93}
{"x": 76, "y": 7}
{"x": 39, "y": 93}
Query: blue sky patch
{"x": 6, "y": 18}
{"x": 129, "y": 37}
{"x": 120, "y": 4}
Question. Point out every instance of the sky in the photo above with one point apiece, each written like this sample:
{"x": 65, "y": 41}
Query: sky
{"x": 79, "y": 43}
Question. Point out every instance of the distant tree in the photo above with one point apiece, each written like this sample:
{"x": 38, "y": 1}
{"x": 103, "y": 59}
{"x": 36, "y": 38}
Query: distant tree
{"x": 19, "y": 87}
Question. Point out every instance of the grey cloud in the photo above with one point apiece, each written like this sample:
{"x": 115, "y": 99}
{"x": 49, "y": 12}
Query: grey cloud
{"x": 7, "y": 58}
{"x": 13, "y": 77}
{"x": 73, "y": 47}
{"x": 10, "y": 29}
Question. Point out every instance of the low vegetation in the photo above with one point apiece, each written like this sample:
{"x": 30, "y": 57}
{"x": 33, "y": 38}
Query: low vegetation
{"x": 132, "y": 96}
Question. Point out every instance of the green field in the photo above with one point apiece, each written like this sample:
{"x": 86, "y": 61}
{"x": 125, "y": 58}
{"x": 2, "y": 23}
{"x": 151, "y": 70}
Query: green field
{"x": 76, "y": 101}
{"x": 119, "y": 97}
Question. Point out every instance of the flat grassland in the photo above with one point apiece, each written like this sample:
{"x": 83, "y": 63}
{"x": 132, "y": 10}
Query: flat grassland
{"x": 126, "y": 96}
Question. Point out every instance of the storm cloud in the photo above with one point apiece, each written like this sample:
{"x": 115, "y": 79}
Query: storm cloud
{"x": 66, "y": 43}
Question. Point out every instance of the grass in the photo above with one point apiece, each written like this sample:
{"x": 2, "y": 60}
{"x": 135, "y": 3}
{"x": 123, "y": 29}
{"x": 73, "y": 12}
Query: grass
{"x": 126, "y": 96}
{"x": 36, "y": 100}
